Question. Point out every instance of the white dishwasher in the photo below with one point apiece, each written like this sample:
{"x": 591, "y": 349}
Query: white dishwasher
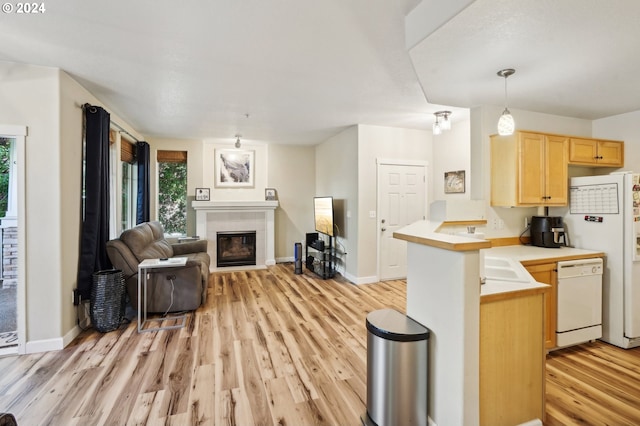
{"x": 579, "y": 314}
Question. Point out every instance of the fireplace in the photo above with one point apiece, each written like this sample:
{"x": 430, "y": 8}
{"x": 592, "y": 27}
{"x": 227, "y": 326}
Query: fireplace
{"x": 225, "y": 216}
{"x": 235, "y": 248}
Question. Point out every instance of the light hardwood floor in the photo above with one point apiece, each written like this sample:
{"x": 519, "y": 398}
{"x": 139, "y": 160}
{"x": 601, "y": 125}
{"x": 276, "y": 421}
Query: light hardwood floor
{"x": 268, "y": 348}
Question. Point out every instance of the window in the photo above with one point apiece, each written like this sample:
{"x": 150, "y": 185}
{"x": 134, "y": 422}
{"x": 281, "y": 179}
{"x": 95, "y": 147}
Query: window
{"x": 172, "y": 191}
{"x": 129, "y": 188}
{"x": 5, "y": 168}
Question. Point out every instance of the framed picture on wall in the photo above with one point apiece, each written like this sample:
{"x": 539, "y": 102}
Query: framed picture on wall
{"x": 234, "y": 168}
{"x": 454, "y": 182}
{"x": 269, "y": 194}
{"x": 202, "y": 194}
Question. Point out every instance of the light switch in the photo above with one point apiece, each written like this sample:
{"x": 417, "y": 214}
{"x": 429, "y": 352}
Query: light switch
{"x": 372, "y": 214}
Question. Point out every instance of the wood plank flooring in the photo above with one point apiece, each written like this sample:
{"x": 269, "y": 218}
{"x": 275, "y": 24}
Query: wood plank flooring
{"x": 269, "y": 348}
{"x": 593, "y": 384}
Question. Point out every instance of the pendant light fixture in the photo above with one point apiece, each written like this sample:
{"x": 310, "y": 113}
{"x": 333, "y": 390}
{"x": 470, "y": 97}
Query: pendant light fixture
{"x": 442, "y": 122}
{"x": 506, "y": 124}
{"x": 238, "y": 141}
{"x": 436, "y": 126}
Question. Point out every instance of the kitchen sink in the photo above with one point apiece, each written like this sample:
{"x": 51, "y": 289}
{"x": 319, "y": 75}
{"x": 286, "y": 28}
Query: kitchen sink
{"x": 505, "y": 274}
{"x": 498, "y": 268}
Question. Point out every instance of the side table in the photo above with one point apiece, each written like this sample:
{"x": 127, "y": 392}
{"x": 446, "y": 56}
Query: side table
{"x": 145, "y": 268}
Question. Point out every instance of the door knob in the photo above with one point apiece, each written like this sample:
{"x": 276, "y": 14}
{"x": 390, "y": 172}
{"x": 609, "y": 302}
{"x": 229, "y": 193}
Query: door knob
{"x": 383, "y": 229}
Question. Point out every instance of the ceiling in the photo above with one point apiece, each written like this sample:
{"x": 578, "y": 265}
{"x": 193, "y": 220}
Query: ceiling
{"x": 299, "y": 71}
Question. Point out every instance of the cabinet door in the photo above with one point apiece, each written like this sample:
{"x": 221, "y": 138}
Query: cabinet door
{"x": 548, "y": 274}
{"x": 556, "y": 170}
{"x": 531, "y": 162}
{"x": 611, "y": 153}
{"x": 512, "y": 361}
{"x": 583, "y": 151}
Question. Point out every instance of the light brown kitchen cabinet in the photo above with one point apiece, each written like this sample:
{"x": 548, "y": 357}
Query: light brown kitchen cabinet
{"x": 512, "y": 358}
{"x": 529, "y": 169}
{"x": 593, "y": 152}
{"x": 547, "y": 273}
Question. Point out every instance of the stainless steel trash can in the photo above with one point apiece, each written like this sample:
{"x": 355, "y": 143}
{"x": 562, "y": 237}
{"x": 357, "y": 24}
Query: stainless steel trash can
{"x": 397, "y": 357}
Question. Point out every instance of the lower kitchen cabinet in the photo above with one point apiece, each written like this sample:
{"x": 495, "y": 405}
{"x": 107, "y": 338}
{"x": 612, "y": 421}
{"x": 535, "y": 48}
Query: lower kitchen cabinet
{"x": 512, "y": 358}
{"x": 547, "y": 273}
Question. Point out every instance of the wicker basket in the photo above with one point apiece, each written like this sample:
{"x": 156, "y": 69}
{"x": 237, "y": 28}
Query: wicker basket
{"x": 107, "y": 300}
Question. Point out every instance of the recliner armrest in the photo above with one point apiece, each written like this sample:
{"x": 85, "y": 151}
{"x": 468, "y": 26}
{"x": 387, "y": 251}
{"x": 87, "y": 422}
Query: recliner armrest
{"x": 189, "y": 247}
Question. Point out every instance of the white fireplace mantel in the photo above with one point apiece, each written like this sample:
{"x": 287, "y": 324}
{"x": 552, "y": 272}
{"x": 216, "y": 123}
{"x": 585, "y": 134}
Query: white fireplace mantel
{"x": 234, "y": 205}
{"x": 259, "y": 216}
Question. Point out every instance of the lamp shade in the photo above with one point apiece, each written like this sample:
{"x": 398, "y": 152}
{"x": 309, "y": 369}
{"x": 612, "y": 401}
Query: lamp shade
{"x": 446, "y": 123}
{"x": 506, "y": 124}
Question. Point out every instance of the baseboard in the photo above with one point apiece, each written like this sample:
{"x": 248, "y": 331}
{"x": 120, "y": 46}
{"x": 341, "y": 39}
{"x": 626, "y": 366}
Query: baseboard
{"x": 57, "y": 343}
{"x": 360, "y": 280}
{"x": 47, "y": 345}
{"x": 285, "y": 259}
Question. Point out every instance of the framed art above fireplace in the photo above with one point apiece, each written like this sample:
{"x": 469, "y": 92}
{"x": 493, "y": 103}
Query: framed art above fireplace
{"x": 234, "y": 168}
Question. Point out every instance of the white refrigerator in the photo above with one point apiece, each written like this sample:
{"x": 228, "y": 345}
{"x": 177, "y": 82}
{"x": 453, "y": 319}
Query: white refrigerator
{"x": 604, "y": 215}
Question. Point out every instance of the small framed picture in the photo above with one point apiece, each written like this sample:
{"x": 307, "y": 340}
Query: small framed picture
{"x": 202, "y": 194}
{"x": 269, "y": 194}
{"x": 454, "y": 182}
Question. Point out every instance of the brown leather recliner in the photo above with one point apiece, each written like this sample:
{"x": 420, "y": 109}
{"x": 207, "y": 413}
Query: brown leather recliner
{"x": 146, "y": 241}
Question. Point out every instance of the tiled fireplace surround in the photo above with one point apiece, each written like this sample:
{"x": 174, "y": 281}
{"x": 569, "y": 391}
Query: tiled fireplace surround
{"x": 223, "y": 216}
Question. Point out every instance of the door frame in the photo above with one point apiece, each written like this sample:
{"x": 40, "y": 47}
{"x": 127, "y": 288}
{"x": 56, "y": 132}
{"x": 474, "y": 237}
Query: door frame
{"x": 19, "y": 133}
{"x": 396, "y": 162}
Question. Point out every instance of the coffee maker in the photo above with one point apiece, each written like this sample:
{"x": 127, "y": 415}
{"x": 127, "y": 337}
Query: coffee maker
{"x": 548, "y": 231}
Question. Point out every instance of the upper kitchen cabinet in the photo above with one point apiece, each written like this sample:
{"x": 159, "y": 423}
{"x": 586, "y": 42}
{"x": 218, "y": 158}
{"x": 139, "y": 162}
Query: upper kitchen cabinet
{"x": 598, "y": 153}
{"x": 529, "y": 169}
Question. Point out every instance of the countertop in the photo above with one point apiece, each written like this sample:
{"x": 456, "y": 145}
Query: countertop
{"x": 493, "y": 289}
{"x": 528, "y": 255}
{"x": 424, "y": 232}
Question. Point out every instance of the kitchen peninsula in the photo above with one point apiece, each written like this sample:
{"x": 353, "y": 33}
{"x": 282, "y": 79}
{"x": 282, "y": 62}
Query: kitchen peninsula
{"x": 444, "y": 294}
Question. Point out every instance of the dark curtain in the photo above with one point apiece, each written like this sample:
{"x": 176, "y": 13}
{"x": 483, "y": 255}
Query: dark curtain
{"x": 142, "y": 155}
{"x": 94, "y": 232}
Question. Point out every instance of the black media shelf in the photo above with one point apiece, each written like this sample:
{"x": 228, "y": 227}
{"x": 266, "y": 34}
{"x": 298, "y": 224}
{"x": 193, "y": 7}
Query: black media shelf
{"x": 320, "y": 255}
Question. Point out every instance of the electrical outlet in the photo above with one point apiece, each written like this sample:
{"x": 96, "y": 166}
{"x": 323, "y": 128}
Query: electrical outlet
{"x": 526, "y": 222}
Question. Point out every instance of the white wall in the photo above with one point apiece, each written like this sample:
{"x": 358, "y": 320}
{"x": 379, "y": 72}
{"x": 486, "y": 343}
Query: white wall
{"x": 47, "y": 101}
{"x": 289, "y": 169}
{"x": 337, "y": 176}
{"x": 292, "y": 173}
{"x": 235, "y": 194}
{"x": 378, "y": 142}
{"x": 31, "y": 98}
{"x": 452, "y": 149}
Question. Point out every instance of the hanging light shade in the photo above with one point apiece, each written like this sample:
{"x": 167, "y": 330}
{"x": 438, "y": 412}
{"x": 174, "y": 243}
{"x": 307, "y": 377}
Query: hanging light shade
{"x": 442, "y": 122}
{"x": 506, "y": 123}
{"x": 436, "y": 127}
{"x": 238, "y": 141}
{"x": 445, "y": 123}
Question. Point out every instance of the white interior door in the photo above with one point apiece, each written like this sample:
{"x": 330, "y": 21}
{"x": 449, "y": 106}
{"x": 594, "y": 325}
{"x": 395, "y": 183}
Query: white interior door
{"x": 401, "y": 201}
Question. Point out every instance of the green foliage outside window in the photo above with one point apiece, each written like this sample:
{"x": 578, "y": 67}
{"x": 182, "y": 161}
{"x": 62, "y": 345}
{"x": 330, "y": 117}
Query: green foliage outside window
{"x": 172, "y": 197}
{"x": 5, "y": 159}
